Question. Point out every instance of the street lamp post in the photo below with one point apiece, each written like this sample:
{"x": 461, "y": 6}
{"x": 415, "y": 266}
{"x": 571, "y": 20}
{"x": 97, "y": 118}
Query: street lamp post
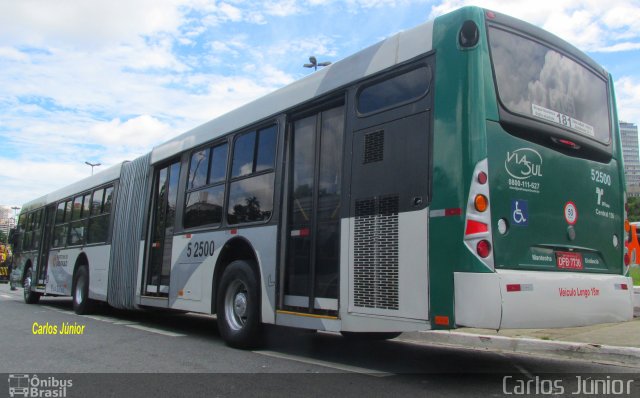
{"x": 314, "y": 63}
{"x": 92, "y": 165}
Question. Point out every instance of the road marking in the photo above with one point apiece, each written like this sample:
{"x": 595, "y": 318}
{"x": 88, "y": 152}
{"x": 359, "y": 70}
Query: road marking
{"x": 326, "y": 364}
{"x": 154, "y": 330}
{"x": 102, "y": 318}
{"x": 524, "y": 371}
{"x": 60, "y": 310}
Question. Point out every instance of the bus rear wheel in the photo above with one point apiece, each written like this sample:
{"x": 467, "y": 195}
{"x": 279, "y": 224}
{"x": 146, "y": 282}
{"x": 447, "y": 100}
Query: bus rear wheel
{"x": 30, "y": 297}
{"x": 82, "y": 304}
{"x": 238, "y": 306}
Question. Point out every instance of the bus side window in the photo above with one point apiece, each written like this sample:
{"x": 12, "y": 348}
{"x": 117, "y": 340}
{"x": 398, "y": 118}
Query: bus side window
{"x": 59, "y": 238}
{"x": 206, "y": 188}
{"x": 251, "y": 188}
{"x": 98, "y": 230}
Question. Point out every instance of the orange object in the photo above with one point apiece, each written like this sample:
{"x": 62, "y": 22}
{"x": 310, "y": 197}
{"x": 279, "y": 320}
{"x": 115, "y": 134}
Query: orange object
{"x": 481, "y": 203}
{"x": 633, "y": 246}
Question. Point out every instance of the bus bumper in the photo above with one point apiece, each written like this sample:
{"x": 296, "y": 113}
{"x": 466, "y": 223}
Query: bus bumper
{"x": 509, "y": 299}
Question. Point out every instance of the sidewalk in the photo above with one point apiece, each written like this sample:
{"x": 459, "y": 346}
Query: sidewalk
{"x": 617, "y": 343}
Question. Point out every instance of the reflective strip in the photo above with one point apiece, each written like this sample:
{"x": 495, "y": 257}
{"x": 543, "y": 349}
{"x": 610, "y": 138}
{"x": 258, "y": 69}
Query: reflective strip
{"x": 520, "y": 287}
{"x": 300, "y": 232}
{"x": 445, "y": 212}
{"x": 306, "y": 315}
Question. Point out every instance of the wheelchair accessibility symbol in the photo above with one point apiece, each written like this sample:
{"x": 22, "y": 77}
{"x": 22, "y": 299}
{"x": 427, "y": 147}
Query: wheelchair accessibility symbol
{"x": 520, "y": 212}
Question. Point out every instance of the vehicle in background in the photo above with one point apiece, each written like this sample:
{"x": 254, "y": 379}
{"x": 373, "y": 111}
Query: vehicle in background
{"x": 5, "y": 260}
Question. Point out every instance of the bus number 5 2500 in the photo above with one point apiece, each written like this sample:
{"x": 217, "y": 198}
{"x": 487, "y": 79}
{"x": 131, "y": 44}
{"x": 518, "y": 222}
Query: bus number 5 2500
{"x": 200, "y": 249}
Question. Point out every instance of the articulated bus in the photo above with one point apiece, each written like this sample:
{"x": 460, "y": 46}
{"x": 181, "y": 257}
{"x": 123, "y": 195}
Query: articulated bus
{"x": 467, "y": 172}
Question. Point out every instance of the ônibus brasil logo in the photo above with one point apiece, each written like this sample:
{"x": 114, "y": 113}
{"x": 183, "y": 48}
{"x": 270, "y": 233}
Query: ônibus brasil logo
{"x": 24, "y": 385}
{"x": 523, "y": 163}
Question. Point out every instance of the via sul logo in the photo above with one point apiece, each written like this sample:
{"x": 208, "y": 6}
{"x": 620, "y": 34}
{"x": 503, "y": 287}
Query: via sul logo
{"x": 523, "y": 163}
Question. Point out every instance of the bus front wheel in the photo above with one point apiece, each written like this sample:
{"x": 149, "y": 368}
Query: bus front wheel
{"x": 238, "y": 306}
{"x": 82, "y": 304}
{"x": 30, "y": 297}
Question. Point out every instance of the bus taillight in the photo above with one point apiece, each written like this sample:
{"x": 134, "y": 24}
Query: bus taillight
{"x": 627, "y": 259}
{"x": 483, "y": 248}
{"x": 481, "y": 203}
{"x": 482, "y": 177}
{"x": 477, "y": 232}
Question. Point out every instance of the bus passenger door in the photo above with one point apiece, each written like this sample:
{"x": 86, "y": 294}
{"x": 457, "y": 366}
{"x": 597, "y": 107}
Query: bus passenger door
{"x": 309, "y": 283}
{"x": 45, "y": 244}
{"x": 160, "y": 235}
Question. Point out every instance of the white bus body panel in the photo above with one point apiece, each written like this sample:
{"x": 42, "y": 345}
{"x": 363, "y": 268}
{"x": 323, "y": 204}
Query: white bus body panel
{"x": 413, "y": 280}
{"x": 61, "y": 265}
{"x": 191, "y": 279}
{"x": 546, "y": 299}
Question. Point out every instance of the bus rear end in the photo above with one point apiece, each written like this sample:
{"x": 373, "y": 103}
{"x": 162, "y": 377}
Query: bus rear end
{"x": 546, "y": 208}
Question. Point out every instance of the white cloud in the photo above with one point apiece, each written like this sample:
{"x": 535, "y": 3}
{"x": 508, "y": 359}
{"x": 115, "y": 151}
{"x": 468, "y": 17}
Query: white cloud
{"x": 12, "y": 54}
{"x": 32, "y": 179}
{"x": 619, "y": 47}
{"x": 282, "y": 8}
{"x": 628, "y": 98}
{"x": 87, "y": 23}
{"x": 232, "y": 13}
{"x": 143, "y": 132}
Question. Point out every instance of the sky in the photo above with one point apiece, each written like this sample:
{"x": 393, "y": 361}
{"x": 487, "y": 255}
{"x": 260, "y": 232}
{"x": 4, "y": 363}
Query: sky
{"x": 106, "y": 81}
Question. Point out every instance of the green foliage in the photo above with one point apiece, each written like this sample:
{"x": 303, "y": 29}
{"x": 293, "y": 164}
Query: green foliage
{"x": 635, "y": 274}
{"x": 634, "y": 208}
{"x": 3, "y": 237}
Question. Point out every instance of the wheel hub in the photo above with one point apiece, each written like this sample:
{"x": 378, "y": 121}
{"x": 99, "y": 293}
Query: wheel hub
{"x": 240, "y": 304}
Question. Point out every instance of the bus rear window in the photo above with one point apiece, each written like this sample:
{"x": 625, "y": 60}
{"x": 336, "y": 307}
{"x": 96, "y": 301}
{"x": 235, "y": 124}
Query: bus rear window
{"x": 394, "y": 91}
{"x": 540, "y": 83}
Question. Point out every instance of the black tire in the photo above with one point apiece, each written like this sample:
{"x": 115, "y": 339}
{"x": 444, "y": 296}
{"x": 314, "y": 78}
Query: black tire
{"x": 238, "y": 306}
{"x": 82, "y": 304}
{"x": 370, "y": 336}
{"x": 30, "y": 297}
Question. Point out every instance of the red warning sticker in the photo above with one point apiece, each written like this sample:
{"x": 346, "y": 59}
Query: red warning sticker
{"x": 570, "y": 213}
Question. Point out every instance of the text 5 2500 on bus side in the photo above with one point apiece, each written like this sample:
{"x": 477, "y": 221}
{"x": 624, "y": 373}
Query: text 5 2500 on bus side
{"x": 200, "y": 249}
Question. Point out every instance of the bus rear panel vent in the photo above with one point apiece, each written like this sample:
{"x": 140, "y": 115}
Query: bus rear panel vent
{"x": 376, "y": 253}
{"x": 373, "y": 147}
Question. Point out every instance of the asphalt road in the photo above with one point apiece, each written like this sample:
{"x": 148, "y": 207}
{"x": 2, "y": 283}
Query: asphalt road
{"x": 152, "y": 353}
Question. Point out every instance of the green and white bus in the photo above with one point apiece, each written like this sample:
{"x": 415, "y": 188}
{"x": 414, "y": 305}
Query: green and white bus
{"x": 467, "y": 172}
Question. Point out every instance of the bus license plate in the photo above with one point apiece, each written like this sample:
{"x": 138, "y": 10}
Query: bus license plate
{"x": 568, "y": 260}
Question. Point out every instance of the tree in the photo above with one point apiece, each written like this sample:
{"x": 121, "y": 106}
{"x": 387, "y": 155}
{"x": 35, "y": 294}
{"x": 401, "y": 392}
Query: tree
{"x": 634, "y": 208}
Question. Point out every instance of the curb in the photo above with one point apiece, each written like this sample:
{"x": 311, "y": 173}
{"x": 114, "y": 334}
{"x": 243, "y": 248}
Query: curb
{"x": 629, "y": 356}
